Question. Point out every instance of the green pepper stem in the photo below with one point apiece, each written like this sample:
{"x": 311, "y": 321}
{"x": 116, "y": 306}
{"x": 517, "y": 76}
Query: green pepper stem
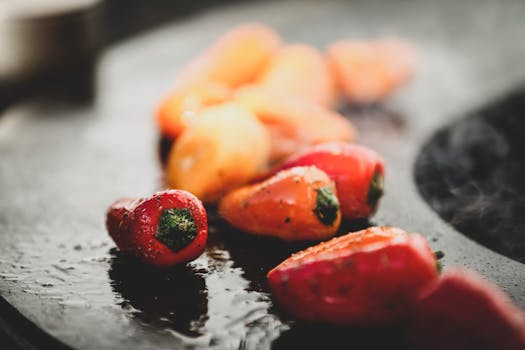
{"x": 439, "y": 254}
{"x": 375, "y": 190}
{"x": 327, "y": 205}
{"x": 176, "y": 228}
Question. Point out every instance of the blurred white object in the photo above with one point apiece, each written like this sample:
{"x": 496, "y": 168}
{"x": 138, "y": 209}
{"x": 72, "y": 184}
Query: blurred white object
{"x": 47, "y": 35}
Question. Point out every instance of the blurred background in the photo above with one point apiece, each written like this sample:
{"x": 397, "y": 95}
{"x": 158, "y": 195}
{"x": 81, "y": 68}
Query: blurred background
{"x": 52, "y": 46}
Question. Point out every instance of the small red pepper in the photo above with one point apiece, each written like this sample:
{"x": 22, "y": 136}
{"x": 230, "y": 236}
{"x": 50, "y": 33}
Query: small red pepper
{"x": 165, "y": 229}
{"x": 364, "y": 278}
{"x": 462, "y": 310}
{"x": 357, "y": 171}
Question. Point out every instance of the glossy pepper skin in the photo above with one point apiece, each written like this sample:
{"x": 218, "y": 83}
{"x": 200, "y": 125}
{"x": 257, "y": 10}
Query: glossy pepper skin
{"x": 296, "y": 204}
{"x": 366, "y": 278}
{"x": 358, "y": 173}
{"x": 461, "y": 310}
{"x": 163, "y": 230}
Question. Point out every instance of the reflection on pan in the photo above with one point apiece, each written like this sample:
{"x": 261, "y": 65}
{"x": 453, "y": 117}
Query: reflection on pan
{"x": 173, "y": 298}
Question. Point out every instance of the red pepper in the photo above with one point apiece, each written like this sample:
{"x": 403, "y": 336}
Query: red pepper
{"x": 356, "y": 170}
{"x": 165, "y": 229}
{"x": 364, "y": 278}
{"x": 464, "y": 311}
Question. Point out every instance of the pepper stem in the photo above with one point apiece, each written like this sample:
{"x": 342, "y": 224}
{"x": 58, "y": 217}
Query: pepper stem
{"x": 327, "y": 205}
{"x": 439, "y": 255}
{"x": 375, "y": 190}
{"x": 176, "y": 228}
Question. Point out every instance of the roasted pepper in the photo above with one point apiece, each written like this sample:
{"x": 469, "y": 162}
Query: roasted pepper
{"x": 223, "y": 149}
{"x": 165, "y": 229}
{"x": 295, "y": 204}
{"x": 302, "y": 71}
{"x": 370, "y": 71}
{"x": 294, "y": 123}
{"x": 364, "y": 278}
{"x": 357, "y": 171}
{"x": 462, "y": 310}
{"x": 179, "y": 108}
{"x": 237, "y": 57}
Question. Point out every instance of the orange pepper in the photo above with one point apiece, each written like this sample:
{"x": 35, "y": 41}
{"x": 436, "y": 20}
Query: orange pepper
{"x": 368, "y": 72}
{"x": 235, "y": 58}
{"x": 223, "y": 149}
{"x": 294, "y": 123}
{"x": 302, "y": 71}
{"x": 296, "y": 204}
{"x": 178, "y": 110}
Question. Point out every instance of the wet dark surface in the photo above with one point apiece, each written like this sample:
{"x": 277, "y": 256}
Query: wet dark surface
{"x": 473, "y": 174}
{"x": 176, "y": 298}
{"x": 62, "y": 165}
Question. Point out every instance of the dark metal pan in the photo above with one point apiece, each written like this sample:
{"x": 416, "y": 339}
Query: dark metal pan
{"x": 61, "y": 166}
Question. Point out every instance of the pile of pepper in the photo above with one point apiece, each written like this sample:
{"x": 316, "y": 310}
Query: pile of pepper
{"x": 254, "y": 129}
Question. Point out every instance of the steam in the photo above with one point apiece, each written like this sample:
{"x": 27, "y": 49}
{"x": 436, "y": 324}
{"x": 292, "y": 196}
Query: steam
{"x": 473, "y": 175}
